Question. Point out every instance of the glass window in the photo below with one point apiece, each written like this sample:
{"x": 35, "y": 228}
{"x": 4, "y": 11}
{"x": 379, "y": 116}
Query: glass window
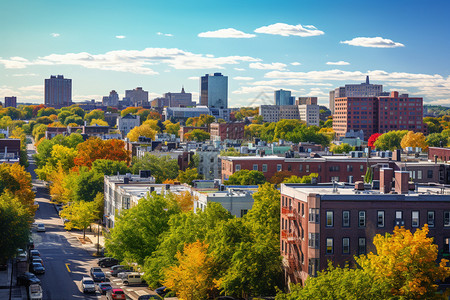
{"x": 279, "y": 168}
{"x": 264, "y": 168}
{"x": 346, "y": 245}
{"x": 446, "y": 245}
{"x": 362, "y": 218}
{"x": 329, "y": 218}
{"x": 307, "y": 168}
{"x": 398, "y": 214}
{"x": 238, "y": 168}
{"x": 446, "y": 218}
{"x": 301, "y": 168}
{"x": 329, "y": 246}
{"x": 346, "y": 218}
{"x": 313, "y": 240}
{"x": 430, "y": 219}
{"x": 314, "y": 215}
{"x": 361, "y": 246}
{"x": 380, "y": 219}
{"x": 430, "y": 173}
{"x": 244, "y": 212}
{"x": 419, "y": 174}
{"x": 255, "y": 167}
{"x": 303, "y": 209}
{"x": 415, "y": 218}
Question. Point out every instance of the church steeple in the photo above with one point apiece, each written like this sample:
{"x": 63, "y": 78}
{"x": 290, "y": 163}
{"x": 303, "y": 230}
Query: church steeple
{"x": 182, "y": 90}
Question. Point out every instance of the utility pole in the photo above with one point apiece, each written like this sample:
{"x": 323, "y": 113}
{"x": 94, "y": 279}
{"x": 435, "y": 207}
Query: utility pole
{"x": 98, "y": 238}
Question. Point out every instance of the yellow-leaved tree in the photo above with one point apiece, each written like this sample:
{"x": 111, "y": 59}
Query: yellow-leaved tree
{"x": 192, "y": 278}
{"x": 406, "y": 263}
{"x": 143, "y": 130}
{"x": 412, "y": 139}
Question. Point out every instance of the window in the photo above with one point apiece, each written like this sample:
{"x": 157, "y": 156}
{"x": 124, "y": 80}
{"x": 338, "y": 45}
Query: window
{"x": 255, "y": 167}
{"x": 264, "y": 168}
{"x": 313, "y": 266}
{"x": 313, "y": 240}
{"x": 361, "y": 168}
{"x": 346, "y": 245}
{"x": 362, "y": 218}
{"x": 446, "y": 218}
{"x": 329, "y": 215}
{"x": 314, "y": 215}
{"x": 279, "y": 168}
{"x": 415, "y": 218}
{"x": 380, "y": 218}
{"x": 399, "y": 214}
{"x": 301, "y": 168}
{"x": 419, "y": 174}
{"x": 349, "y": 168}
{"x": 244, "y": 212}
{"x": 446, "y": 245}
{"x": 430, "y": 219}
{"x": 346, "y": 218}
{"x": 430, "y": 174}
{"x": 361, "y": 246}
{"x": 302, "y": 233}
{"x": 238, "y": 168}
{"x": 126, "y": 203}
{"x": 329, "y": 249}
{"x": 303, "y": 209}
{"x": 307, "y": 168}
{"x": 289, "y": 168}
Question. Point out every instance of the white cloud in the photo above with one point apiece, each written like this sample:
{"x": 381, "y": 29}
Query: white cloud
{"x": 338, "y": 63}
{"x": 120, "y": 36}
{"x": 226, "y": 33}
{"x": 287, "y": 30}
{"x": 289, "y": 82}
{"x": 272, "y": 66}
{"x": 164, "y": 34}
{"x": 374, "y": 42}
{"x": 239, "y": 69}
{"x": 32, "y": 88}
{"x": 295, "y": 63}
{"x": 254, "y": 89}
{"x": 132, "y": 61}
{"x": 55, "y": 35}
{"x": 242, "y": 78}
{"x": 444, "y": 102}
{"x": 23, "y": 75}
{"x": 194, "y": 78}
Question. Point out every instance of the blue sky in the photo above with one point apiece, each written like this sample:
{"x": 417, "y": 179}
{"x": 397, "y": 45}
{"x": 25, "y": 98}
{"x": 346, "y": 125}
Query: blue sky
{"x": 309, "y": 47}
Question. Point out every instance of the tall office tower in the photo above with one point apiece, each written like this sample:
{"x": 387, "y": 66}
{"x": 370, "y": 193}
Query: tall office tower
{"x": 58, "y": 91}
{"x": 214, "y": 91}
{"x": 306, "y": 101}
{"x": 10, "y": 101}
{"x": 112, "y": 99}
{"x": 283, "y": 97}
{"x": 138, "y": 96}
{"x": 182, "y": 99}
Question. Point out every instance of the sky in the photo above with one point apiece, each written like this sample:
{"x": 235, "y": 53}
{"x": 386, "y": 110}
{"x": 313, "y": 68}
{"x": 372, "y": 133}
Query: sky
{"x": 307, "y": 46}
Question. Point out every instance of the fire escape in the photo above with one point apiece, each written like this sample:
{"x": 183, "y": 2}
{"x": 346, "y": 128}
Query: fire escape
{"x": 292, "y": 234}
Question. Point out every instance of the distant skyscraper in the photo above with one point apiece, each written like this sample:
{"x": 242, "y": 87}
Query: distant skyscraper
{"x": 58, "y": 91}
{"x": 214, "y": 91}
{"x": 10, "y": 101}
{"x": 182, "y": 99}
{"x": 283, "y": 97}
{"x": 138, "y": 96}
{"x": 112, "y": 99}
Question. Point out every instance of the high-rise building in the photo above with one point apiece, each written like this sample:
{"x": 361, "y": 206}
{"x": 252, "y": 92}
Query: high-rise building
{"x": 214, "y": 91}
{"x": 10, "y": 101}
{"x": 137, "y": 96}
{"x": 58, "y": 91}
{"x": 182, "y": 99}
{"x": 283, "y": 97}
{"x": 306, "y": 101}
{"x": 112, "y": 99}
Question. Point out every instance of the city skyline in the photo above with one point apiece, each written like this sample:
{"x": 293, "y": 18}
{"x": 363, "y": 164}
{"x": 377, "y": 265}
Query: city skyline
{"x": 307, "y": 48}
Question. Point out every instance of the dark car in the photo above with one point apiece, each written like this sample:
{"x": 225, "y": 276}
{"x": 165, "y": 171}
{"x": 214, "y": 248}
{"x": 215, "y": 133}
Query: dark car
{"x": 104, "y": 287}
{"x": 37, "y": 268}
{"x": 37, "y": 259}
{"x": 27, "y": 278}
{"x": 34, "y": 253}
{"x": 148, "y": 297}
{"x": 107, "y": 262}
{"x": 162, "y": 291}
{"x": 97, "y": 274}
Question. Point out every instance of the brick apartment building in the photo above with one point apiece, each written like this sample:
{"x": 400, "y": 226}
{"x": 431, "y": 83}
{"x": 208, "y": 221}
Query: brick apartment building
{"x": 439, "y": 154}
{"x": 377, "y": 114}
{"x": 227, "y": 131}
{"x": 321, "y": 223}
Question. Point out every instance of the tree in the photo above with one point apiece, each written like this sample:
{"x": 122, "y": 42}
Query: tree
{"x": 372, "y": 139}
{"x": 390, "y": 140}
{"x": 304, "y": 179}
{"x": 412, "y": 139}
{"x": 161, "y": 168}
{"x": 86, "y": 184}
{"x": 246, "y": 177}
{"x": 110, "y": 167}
{"x": 99, "y": 122}
{"x": 96, "y": 148}
{"x": 80, "y": 215}
{"x": 172, "y": 128}
{"x": 192, "y": 278}
{"x": 15, "y": 180}
{"x": 197, "y": 135}
{"x": 368, "y": 177}
{"x": 280, "y": 176}
{"x": 231, "y": 152}
{"x": 94, "y": 114}
{"x": 185, "y": 200}
{"x": 187, "y": 176}
{"x": 437, "y": 140}
{"x": 144, "y": 130}
{"x": 73, "y": 119}
{"x": 343, "y": 148}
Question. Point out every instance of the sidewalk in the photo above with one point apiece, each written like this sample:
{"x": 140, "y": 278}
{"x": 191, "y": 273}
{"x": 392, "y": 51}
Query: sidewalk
{"x": 17, "y": 292}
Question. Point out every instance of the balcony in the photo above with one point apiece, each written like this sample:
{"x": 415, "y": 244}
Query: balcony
{"x": 289, "y": 212}
{"x": 291, "y": 237}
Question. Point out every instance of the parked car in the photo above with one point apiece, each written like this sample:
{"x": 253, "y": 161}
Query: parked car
{"x": 30, "y": 244}
{"x": 149, "y": 297}
{"x": 107, "y": 262}
{"x": 115, "y": 294}
{"x": 162, "y": 291}
{"x": 117, "y": 269}
{"x": 35, "y": 253}
{"x": 37, "y": 259}
{"x": 104, "y": 287}
{"x": 21, "y": 255}
{"x": 37, "y": 268}
{"x": 35, "y": 292}
{"x": 87, "y": 285}
{"x": 40, "y": 227}
{"x": 27, "y": 278}
{"x": 131, "y": 278}
{"x": 97, "y": 274}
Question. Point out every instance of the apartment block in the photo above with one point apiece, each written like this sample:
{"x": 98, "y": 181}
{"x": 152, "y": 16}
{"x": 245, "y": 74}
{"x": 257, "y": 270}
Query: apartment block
{"x": 227, "y": 131}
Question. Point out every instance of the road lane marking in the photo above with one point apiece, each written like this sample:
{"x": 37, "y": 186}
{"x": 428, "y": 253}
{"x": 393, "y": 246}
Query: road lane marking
{"x": 67, "y": 266}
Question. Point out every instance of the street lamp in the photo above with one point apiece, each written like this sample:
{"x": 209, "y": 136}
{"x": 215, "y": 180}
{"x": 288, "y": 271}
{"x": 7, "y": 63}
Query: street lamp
{"x": 98, "y": 238}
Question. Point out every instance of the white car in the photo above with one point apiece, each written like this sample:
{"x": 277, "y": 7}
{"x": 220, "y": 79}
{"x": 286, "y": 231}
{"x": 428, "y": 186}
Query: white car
{"x": 88, "y": 285}
{"x": 35, "y": 292}
{"x": 40, "y": 227}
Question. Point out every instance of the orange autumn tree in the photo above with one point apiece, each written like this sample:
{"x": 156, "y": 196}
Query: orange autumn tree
{"x": 96, "y": 148}
{"x": 17, "y": 180}
{"x": 406, "y": 263}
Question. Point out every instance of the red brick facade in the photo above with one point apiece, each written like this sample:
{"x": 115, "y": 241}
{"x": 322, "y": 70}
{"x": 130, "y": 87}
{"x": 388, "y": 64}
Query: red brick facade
{"x": 227, "y": 131}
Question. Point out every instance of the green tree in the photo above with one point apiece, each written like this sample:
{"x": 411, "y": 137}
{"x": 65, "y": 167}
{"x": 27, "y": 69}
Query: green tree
{"x": 87, "y": 184}
{"x": 437, "y": 140}
{"x": 197, "y": 135}
{"x": 73, "y": 119}
{"x": 390, "y": 140}
{"x": 110, "y": 167}
{"x": 94, "y": 114}
{"x": 304, "y": 179}
{"x": 246, "y": 177}
{"x": 162, "y": 168}
{"x": 187, "y": 176}
{"x": 342, "y": 148}
{"x": 80, "y": 215}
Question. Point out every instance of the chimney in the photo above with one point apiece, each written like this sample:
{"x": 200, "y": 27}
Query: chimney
{"x": 401, "y": 182}
{"x": 394, "y": 94}
{"x": 359, "y": 186}
{"x": 397, "y": 155}
{"x": 386, "y": 175}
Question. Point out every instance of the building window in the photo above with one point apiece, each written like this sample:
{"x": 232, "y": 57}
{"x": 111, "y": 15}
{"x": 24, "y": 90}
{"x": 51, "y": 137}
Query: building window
{"x": 446, "y": 218}
{"x": 307, "y": 168}
{"x": 334, "y": 178}
{"x": 415, "y": 218}
{"x": 329, "y": 215}
{"x": 430, "y": 219}
{"x": 255, "y": 167}
{"x": 264, "y": 168}
{"x": 380, "y": 218}
{"x": 430, "y": 174}
{"x": 313, "y": 266}
{"x": 419, "y": 174}
{"x": 244, "y": 212}
{"x": 303, "y": 209}
{"x": 361, "y": 168}
{"x": 302, "y": 233}
{"x": 346, "y": 218}
{"x": 349, "y": 168}
{"x": 362, "y": 218}
{"x": 446, "y": 245}
{"x": 238, "y": 168}
{"x": 346, "y": 245}
{"x": 329, "y": 249}
{"x": 313, "y": 240}
{"x": 301, "y": 168}
{"x": 314, "y": 215}
{"x": 361, "y": 246}
{"x": 399, "y": 214}
{"x": 279, "y": 167}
